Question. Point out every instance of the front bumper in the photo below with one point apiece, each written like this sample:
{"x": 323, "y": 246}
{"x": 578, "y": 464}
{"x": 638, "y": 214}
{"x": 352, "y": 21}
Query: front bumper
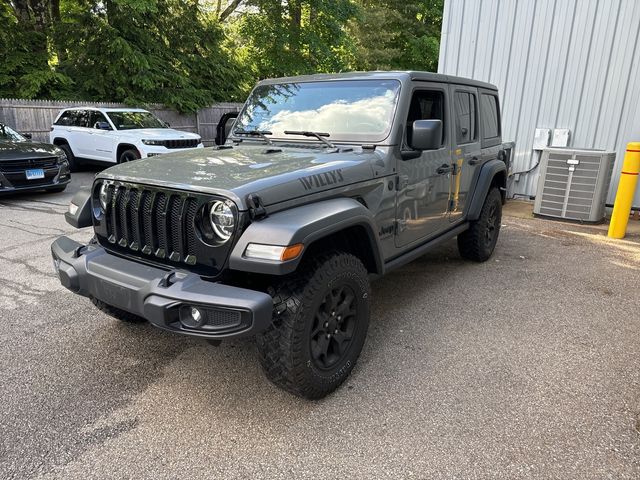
{"x": 53, "y": 179}
{"x": 160, "y": 295}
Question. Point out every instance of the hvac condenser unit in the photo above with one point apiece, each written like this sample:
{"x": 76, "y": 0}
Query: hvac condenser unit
{"x": 574, "y": 183}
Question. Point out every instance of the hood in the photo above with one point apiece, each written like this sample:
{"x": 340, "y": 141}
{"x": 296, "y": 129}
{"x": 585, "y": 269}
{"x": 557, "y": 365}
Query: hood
{"x": 275, "y": 174}
{"x": 27, "y": 150}
{"x": 158, "y": 133}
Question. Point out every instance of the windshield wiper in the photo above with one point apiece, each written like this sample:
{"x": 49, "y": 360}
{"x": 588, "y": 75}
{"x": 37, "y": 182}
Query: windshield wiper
{"x": 319, "y": 135}
{"x": 255, "y": 133}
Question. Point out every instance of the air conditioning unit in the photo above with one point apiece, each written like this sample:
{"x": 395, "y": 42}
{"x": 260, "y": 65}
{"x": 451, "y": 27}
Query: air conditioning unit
{"x": 574, "y": 183}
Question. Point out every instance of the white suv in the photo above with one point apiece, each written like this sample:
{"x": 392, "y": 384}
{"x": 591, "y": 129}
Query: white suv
{"x": 116, "y": 135}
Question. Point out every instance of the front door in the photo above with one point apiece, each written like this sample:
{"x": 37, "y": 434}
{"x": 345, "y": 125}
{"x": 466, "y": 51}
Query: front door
{"x": 102, "y": 142}
{"x": 466, "y": 146}
{"x": 423, "y": 177}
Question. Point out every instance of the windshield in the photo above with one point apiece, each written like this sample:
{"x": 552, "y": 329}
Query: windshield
{"x": 134, "y": 120}
{"x": 348, "y": 110}
{"x": 9, "y": 135}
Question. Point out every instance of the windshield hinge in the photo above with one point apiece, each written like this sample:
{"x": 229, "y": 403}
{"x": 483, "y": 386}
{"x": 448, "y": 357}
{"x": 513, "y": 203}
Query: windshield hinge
{"x": 256, "y": 208}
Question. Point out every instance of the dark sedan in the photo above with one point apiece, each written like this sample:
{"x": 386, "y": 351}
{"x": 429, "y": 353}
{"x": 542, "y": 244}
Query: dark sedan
{"x": 27, "y": 165}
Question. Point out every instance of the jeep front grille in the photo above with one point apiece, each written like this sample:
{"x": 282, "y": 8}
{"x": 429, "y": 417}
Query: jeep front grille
{"x": 154, "y": 222}
{"x": 182, "y": 143}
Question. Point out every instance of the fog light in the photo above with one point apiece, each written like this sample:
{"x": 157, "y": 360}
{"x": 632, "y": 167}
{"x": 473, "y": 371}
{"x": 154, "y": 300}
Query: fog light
{"x": 191, "y": 317}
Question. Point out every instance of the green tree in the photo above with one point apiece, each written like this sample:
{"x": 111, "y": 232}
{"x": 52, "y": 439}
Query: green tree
{"x": 293, "y": 37}
{"x": 396, "y": 34}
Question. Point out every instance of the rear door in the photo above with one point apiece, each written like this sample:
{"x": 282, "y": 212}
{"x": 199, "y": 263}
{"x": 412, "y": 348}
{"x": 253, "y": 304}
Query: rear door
{"x": 466, "y": 146}
{"x": 78, "y": 133}
{"x": 423, "y": 178}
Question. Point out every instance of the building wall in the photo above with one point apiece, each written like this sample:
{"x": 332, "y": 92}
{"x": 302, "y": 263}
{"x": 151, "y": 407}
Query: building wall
{"x": 558, "y": 64}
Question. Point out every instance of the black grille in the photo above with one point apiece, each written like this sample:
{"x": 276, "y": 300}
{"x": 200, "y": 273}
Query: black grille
{"x": 11, "y": 166}
{"x": 182, "y": 143}
{"x": 154, "y": 222}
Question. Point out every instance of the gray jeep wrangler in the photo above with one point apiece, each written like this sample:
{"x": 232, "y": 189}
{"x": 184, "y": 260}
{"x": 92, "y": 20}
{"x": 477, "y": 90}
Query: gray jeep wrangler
{"x": 325, "y": 182}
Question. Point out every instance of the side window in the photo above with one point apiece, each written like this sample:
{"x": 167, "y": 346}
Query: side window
{"x": 466, "y": 117}
{"x": 81, "y": 118}
{"x": 490, "y": 117}
{"x": 96, "y": 117}
{"x": 65, "y": 120}
{"x": 426, "y": 105}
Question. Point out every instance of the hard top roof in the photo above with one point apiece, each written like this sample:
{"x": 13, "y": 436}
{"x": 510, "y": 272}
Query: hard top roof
{"x": 382, "y": 75}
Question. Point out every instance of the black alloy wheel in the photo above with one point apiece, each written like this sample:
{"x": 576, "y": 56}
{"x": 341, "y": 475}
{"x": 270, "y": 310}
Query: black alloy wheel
{"x": 333, "y": 328}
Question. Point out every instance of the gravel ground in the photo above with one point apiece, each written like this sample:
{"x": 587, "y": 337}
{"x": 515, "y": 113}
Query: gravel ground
{"x": 523, "y": 367}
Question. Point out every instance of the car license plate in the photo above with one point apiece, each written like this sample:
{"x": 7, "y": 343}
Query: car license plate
{"x": 35, "y": 173}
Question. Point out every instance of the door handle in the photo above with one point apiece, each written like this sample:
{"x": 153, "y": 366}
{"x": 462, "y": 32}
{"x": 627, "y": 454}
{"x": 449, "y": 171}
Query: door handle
{"x": 444, "y": 168}
{"x": 474, "y": 161}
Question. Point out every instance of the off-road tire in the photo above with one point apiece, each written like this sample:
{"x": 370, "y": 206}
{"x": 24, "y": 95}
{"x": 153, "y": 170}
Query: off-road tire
{"x": 285, "y": 348}
{"x": 71, "y": 158}
{"x": 479, "y": 241}
{"x": 116, "y": 313}
{"x": 128, "y": 155}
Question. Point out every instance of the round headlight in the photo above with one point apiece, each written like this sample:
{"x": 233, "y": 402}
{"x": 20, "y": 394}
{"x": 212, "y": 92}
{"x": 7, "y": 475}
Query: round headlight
{"x": 103, "y": 195}
{"x": 222, "y": 220}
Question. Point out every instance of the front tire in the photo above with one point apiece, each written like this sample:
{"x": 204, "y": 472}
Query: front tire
{"x": 71, "y": 158}
{"x": 128, "y": 156}
{"x": 320, "y": 321}
{"x": 479, "y": 241}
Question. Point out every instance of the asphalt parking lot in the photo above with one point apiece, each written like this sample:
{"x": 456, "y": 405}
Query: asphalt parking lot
{"x": 526, "y": 366}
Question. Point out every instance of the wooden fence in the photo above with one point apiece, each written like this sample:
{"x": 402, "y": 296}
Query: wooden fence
{"x": 37, "y": 116}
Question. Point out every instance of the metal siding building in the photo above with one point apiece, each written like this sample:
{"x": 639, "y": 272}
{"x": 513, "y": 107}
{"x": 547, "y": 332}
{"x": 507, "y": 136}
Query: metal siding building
{"x": 558, "y": 64}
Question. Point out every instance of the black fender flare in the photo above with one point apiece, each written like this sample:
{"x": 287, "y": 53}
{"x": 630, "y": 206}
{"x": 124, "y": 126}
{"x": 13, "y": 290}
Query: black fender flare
{"x": 305, "y": 224}
{"x": 487, "y": 173}
{"x": 82, "y": 216}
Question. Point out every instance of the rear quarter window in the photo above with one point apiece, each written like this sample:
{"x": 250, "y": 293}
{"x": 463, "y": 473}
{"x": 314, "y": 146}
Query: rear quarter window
{"x": 66, "y": 119}
{"x": 490, "y": 116}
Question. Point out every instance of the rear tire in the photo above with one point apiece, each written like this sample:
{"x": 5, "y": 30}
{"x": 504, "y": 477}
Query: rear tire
{"x": 71, "y": 158}
{"x": 320, "y": 321}
{"x": 128, "y": 155}
{"x": 479, "y": 241}
{"x": 116, "y": 313}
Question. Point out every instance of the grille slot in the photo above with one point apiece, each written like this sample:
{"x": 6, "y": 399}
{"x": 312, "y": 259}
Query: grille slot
{"x": 160, "y": 224}
{"x": 181, "y": 143}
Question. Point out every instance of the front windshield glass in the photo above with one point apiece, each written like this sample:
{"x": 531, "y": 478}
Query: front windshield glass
{"x": 348, "y": 110}
{"x": 135, "y": 120}
{"x": 9, "y": 135}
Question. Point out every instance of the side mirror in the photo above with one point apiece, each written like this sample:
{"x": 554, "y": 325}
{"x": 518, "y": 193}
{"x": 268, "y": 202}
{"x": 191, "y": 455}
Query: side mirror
{"x": 223, "y": 129}
{"x": 28, "y": 136}
{"x": 102, "y": 126}
{"x": 426, "y": 135}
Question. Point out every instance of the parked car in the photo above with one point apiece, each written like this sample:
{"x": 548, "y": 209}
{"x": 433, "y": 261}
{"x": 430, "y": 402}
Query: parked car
{"x": 27, "y": 165}
{"x": 326, "y": 182}
{"x": 116, "y": 135}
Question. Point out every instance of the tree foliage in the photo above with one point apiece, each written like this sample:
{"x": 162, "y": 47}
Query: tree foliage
{"x": 190, "y": 53}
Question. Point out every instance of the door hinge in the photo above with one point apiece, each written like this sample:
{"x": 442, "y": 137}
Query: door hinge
{"x": 402, "y": 181}
{"x": 400, "y": 226}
